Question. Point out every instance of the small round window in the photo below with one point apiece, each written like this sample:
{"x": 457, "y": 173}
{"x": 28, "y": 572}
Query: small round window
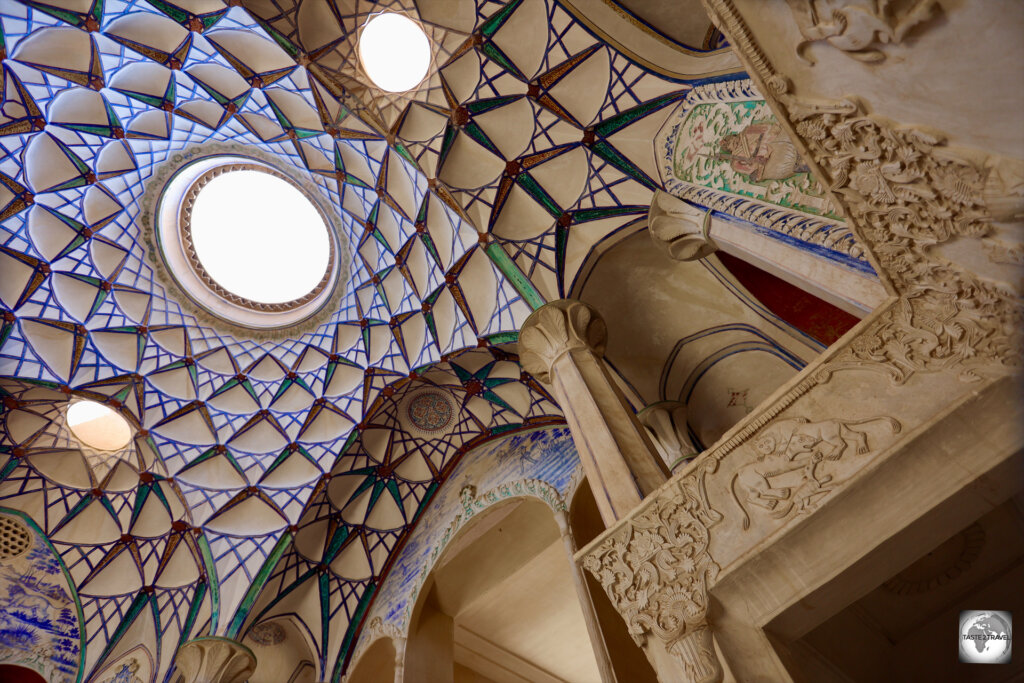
{"x": 98, "y": 426}
{"x": 394, "y": 51}
{"x": 250, "y": 244}
{"x": 259, "y": 237}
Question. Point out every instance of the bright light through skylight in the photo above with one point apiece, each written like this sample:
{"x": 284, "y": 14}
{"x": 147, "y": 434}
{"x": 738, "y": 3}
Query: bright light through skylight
{"x": 96, "y": 425}
{"x": 259, "y": 237}
{"x": 395, "y": 52}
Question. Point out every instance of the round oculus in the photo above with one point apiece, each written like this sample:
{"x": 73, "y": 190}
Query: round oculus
{"x": 248, "y": 243}
{"x": 259, "y": 237}
{"x": 98, "y": 426}
{"x": 394, "y": 52}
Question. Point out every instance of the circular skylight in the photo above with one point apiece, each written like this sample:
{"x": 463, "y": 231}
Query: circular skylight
{"x": 259, "y": 236}
{"x": 394, "y": 51}
{"x": 98, "y": 426}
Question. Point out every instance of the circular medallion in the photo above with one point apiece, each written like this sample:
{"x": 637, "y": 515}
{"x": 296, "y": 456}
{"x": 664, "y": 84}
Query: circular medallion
{"x": 942, "y": 565}
{"x": 267, "y": 633}
{"x": 430, "y": 411}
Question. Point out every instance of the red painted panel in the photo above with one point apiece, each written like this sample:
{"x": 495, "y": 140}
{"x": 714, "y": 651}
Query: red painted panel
{"x": 802, "y": 310}
{"x": 10, "y": 673}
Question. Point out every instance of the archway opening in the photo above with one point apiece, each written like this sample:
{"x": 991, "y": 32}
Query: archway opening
{"x": 628, "y": 660}
{"x": 377, "y": 665}
{"x": 502, "y": 598}
{"x": 11, "y": 673}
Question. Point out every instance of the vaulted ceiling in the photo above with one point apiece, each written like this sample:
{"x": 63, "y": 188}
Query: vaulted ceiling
{"x": 293, "y": 464}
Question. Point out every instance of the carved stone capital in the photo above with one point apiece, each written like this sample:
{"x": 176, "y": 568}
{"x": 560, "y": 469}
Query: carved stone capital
{"x": 215, "y": 660}
{"x": 680, "y": 229}
{"x": 666, "y": 421}
{"x": 656, "y": 569}
{"x": 557, "y": 328}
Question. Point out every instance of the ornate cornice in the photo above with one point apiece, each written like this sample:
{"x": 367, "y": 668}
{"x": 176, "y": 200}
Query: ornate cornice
{"x": 904, "y": 191}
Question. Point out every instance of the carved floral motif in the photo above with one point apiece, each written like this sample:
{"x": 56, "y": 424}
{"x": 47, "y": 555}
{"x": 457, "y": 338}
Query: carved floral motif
{"x": 908, "y": 192}
{"x": 905, "y": 191}
{"x": 656, "y": 570}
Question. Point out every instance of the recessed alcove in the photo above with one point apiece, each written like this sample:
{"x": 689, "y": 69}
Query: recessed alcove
{"x": 905, "y": 629}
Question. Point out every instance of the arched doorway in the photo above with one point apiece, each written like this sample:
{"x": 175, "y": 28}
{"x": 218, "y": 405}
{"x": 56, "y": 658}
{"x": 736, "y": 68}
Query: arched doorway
{"x": 500, "y": 605}
{"x": 377, "y": 665}
{"x": 628, "y": 661}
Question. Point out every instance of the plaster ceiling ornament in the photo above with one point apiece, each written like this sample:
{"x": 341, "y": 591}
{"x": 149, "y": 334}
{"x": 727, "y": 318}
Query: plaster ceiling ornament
{"x": 429, "y": 411}
{"x": 15, "y": 539}
{"x": 238, "y": 432}
{"x": 267, "y": 633}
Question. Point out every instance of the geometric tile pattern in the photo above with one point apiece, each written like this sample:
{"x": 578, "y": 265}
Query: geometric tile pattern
{"x": 270, "y": 478}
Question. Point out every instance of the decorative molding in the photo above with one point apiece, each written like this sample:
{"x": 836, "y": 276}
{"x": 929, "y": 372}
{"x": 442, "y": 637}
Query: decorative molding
{"x": 556, "y": 329}
{"x": 826, "y": 236}
{"x": 858, "y": 28}
{"x": 656, "y": 569}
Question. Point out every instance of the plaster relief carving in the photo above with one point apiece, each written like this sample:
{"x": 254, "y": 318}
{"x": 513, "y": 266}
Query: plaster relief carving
{"x": 656, "y": 570}
{"x": 910, "y": 192}
{"x": 799, "y": 463}
{"x": 858, "y": 27}
{"x": 680, "y": 229}
{"x": 905, "y": 191}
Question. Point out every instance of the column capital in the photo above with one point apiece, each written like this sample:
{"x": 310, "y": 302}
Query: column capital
{"x": 213, "y": 659}
{"x": 679, "y": 229}
{"x": 557, "y": 328}
{"x": 666, "y": 421}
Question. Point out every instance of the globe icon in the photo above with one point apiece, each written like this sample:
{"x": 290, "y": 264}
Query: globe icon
{"x": 985, "y": 637}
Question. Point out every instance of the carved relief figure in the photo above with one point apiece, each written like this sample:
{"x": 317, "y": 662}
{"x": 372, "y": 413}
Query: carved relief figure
{"x": 788, "y": 474}
{"x": 858, "y": 27}
{"x": 762, "y": 151}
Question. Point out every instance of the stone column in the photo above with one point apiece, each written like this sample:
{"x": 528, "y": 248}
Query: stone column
{"x": 562, "y": 344}
{"x": 597, "y": 641}
{"x": 667, "y": 422}
{"x": 214, "y": 659}
{"x": 399, "y": 660}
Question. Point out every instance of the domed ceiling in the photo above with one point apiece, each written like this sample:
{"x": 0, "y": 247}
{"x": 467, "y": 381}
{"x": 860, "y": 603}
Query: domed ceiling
{"x": 289, "y": 463}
